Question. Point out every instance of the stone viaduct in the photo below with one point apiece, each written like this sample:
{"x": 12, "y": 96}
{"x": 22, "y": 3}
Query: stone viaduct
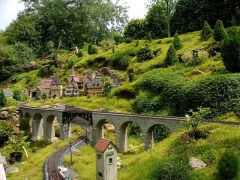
{"x": 42, "y": 122}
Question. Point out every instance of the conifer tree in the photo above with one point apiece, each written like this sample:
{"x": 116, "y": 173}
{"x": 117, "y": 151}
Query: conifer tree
{"x": 206, "y": 31}
{"x": 177, "y": 42}
{"x": 230, "y": 51}
{"x": 219, "y": 31}
{"x": 171, "y": 57}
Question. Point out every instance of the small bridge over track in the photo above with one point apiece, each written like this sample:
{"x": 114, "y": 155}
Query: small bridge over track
{"x": 43, "y": 121}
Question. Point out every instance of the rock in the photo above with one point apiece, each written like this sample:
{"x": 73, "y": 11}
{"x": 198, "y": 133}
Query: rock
{"x": 46, "y": 106}
{"x": 197, "y": 72}
{"x": 119, "y": 162}
{"x": 4, "y": 109}
{"x": 12, "y": 170}
{"x": 110, "y": 127}
{"x": 3, "y": 114}
{"x": 196, "y": 163}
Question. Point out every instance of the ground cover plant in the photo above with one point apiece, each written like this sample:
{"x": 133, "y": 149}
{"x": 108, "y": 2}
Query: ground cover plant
{"x": 31, "y": 167}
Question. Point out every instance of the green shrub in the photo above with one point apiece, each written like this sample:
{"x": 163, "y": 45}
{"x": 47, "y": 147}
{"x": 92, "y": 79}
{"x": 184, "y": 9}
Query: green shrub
{"x": 177, "y": 42}
{"x": 24, "y": 126}
{"x": 119, "y": 60}
{"x": 147, "y": 103}
{"x": 221, "y": 93}
{"x": 206, "y": 31}
{"x": 17, "y": 95}
{"x": 80, "y": 53}
{"x": 3, "y": 99}
{"x": 44, "y": 71}
{"x": 230, "y": 51}
{"x": 57, "y": 131}
{"x": 92, "y": 49}
{"x": 172, "y": 169}
{"x": 228, "y": 165}
{"x": 160, "y": 132}
{"x": 118, "y": 38}
{"x": 171, "y": 57}
{"x": 144, "y": 54}
{"x": 219, "y": 31}
{"x": 135, "y": 130}
{"x": 128, "y": 40}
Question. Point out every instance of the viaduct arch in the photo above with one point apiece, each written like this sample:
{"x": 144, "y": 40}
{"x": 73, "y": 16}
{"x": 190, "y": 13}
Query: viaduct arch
{"x": 42, "y": 122}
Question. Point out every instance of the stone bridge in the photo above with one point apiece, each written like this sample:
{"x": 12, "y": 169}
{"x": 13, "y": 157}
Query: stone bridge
{"x": 43, "y": 122}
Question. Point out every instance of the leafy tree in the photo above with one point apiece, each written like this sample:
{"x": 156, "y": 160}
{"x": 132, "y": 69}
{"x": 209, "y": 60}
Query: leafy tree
{"x": 71, "y": 23}
{"x": 219, "y": 31}
{"x": 17, "y": 95}
{"x": 3, "y": 99}
{"x": 206, "y": 31}
{"x": 230, "y": 51}
{"x": 171, "y": 57}
{"x": 177, "y": 42}
{"x": 118, "y": 38}
{"x": 15, "y": 142}
{"x": 107, "y": 85}
{"x": 158, "y": 17}
{"x": 196, "y": 12}
{"x": 135, "y": 29}
{"x": 196, "y": 118}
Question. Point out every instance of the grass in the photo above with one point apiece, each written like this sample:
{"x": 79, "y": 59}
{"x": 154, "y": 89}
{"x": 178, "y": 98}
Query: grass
{"x": 171, "y": 152}
{"x": 31, "y": 167}
{"x": 90, "y": 103}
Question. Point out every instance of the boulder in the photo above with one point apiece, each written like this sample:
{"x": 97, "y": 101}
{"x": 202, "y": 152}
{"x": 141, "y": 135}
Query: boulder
{"x": 197, "y": 72}
{"x": 196, "y": 163}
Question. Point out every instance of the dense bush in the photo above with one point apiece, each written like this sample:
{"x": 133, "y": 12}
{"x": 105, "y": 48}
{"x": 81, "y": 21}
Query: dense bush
{"x": 3, "y": 99}
{"x": 147, "y": 103}
{"x": 135, "y": 29}
{"x": 230, "y": 51}
{"x": 219, "y": 31}
{"x": 160, "y": 132}
{"x": 5, "y": 132}
{"x": 92, "y": 49}
{"x": 177, "y": 42}
{"x": 118, "y": 38}
{"x": 220, "y": 93}
{"x": 44, "y": 71}
{"x": 206, "y": 31}
{"x": 80, "y": 53}
{"x": 120, "y": 60}
{"x": 144, "y": 54}
{"x": 228, "y": 165}
{"x": 17, "y": 95}
{"x": 171, "y": 57}
{"x": 128, "y": 40}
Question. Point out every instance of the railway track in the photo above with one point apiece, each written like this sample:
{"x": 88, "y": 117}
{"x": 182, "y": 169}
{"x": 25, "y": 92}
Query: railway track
{"x": 51, "y": 166}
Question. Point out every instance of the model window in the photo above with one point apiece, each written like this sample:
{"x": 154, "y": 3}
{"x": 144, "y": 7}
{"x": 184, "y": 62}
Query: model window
{"x": 110, "y": 160}
{"x": 99, "y": 174}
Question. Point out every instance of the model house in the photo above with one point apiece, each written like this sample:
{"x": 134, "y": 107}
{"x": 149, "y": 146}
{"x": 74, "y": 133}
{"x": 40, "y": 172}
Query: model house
{"x": 106, "y": 160}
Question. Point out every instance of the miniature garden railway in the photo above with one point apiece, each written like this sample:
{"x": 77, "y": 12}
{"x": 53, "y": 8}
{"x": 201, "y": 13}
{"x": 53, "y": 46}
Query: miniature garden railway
{"x": 52, "y": 164}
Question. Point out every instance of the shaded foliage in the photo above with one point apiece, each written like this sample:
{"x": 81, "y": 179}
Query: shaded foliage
{"x": 206, "y": 31}
{"x": 219, "y": 31}
{"x": 230, "y": 51}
